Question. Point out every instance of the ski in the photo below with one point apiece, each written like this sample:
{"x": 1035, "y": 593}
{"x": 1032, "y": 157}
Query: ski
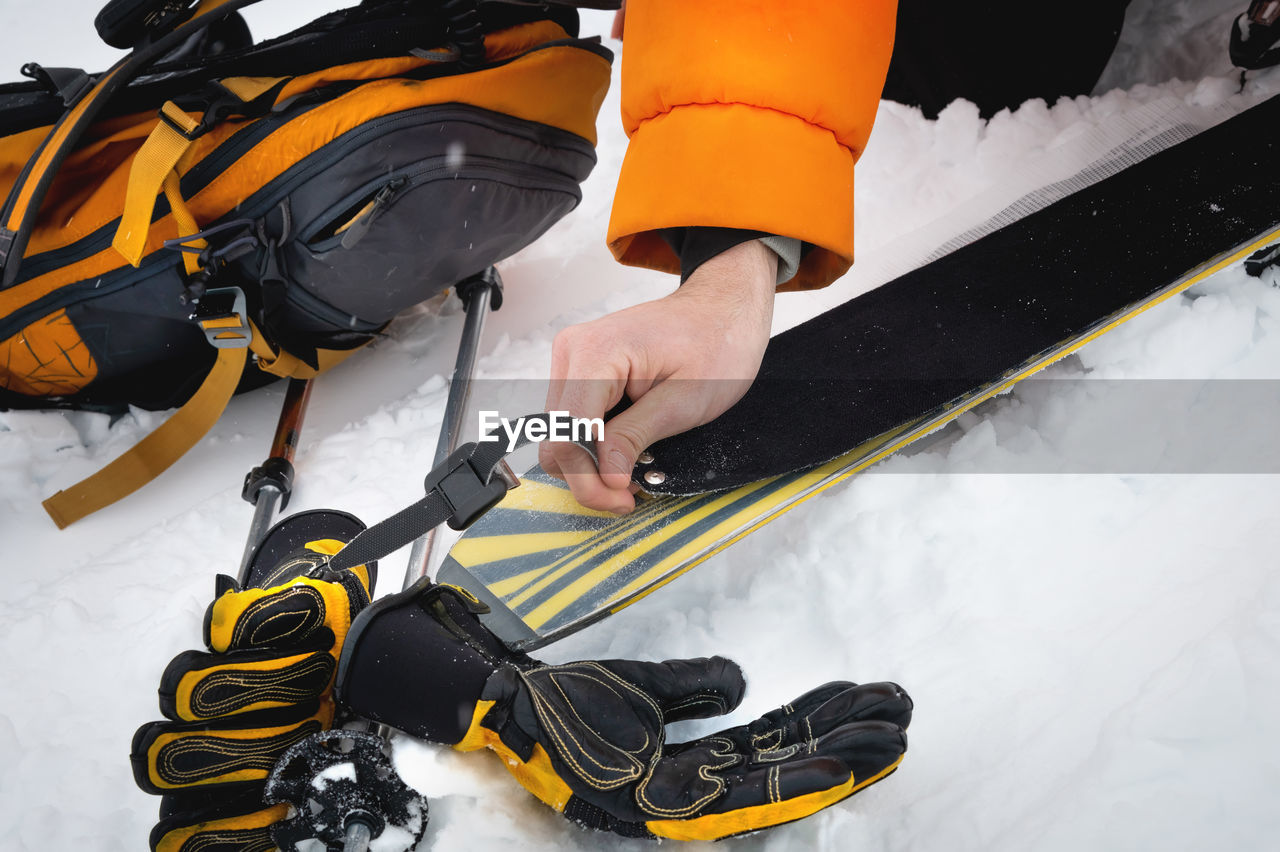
{"x": 852, "y": 386}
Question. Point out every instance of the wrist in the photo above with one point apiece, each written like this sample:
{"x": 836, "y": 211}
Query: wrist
{"x": 419, "y": 662}
{"x": 746, "y": 271}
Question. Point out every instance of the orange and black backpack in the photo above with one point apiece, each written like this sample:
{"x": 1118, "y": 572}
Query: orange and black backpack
{"x": 212, "y": 213}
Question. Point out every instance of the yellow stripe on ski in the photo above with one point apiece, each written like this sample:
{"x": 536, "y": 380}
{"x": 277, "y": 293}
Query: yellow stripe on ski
{"x": 641, "y": 544}
{"x": 652, "y": 512}
{"x": 545, "y": 497}
{"x": 493, "y": 548}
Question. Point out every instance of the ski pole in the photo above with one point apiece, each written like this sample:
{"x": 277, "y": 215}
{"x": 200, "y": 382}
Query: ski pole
{"x": 270, "y": 485}
{"x": 478, "y": 293}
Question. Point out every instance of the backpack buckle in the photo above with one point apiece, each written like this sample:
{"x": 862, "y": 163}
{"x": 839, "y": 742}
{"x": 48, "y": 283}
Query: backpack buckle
{"x": 222, "y": 315}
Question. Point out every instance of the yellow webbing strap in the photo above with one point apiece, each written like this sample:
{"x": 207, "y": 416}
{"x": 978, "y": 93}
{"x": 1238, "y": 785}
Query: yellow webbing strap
{"x": 156, "y": 452}
{"x": 280, "y": 363}
{"x": 154, "y": 170}
{"x": 186, "y": 223}
{"x": 153, "y": 455}
{"x": 152, "y": 166}
{"x": 250, "y": 88}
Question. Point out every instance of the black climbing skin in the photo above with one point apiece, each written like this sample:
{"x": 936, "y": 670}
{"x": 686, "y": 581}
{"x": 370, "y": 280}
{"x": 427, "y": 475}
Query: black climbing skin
{"x": 999, "y": 53}
{"x": 937, "y": 333}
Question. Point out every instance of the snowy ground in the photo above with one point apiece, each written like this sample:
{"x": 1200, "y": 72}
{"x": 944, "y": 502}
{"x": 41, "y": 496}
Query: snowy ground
{"x": 1093, "y": 655}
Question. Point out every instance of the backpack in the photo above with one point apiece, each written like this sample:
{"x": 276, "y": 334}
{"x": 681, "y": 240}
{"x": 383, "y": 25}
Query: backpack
{"x": 210, "y": 214}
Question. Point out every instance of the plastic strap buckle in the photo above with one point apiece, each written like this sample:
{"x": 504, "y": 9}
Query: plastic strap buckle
{"x": 190, "y": 135}
{"x": 222, "y": 315}
{"x": 469, "y": 491}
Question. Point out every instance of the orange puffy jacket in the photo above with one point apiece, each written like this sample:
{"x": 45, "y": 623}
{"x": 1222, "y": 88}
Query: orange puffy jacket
{"x": 748, "y": 115}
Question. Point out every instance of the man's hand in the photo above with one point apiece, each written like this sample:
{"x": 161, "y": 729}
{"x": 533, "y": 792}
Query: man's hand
{"x": 683, "y": 360}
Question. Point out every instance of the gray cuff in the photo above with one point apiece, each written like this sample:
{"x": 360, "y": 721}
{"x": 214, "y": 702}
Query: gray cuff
{"x": 788, "y": 251}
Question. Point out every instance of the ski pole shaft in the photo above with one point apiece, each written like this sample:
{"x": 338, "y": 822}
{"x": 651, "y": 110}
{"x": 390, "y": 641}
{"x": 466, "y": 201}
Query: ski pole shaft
{"x": 455, "y": 406}
{"x": 269, "y": 485}
{"x": 357, "y": 838}
{"x": 480, "y": 292}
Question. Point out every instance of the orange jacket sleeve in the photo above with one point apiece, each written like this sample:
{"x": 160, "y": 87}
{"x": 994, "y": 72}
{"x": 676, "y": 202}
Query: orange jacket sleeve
{"x": 751, "y": 115}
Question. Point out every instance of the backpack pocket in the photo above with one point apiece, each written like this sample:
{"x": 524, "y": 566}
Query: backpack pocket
{"x": 427, "y": 207}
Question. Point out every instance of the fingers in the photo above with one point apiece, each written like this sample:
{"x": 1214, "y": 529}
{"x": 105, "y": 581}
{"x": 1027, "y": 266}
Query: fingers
{"x": 686, "y": 689}
{"x": 241, "y": 822}
{"x": 828, "y": 707}
{"x": 586, "y": 381}
{"x": 265, "y": 618}
{"x": 868, "y": 748}
{"x": 683, "y": 360}
{"x": 862, "y": 726}
{"x": 669, "y": 408}
{"x": 199, "y": 687}
{"x": 812, "y": 716}
{"x": 169, "y": 756}
{"x": 578, "y": 470}
{"x": 886, "y": 702}
{"x": 297, "y": 615}
{"x": 773, "y": 787}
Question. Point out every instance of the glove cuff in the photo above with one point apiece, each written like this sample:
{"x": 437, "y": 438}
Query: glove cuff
{"x": 418, "y": 662}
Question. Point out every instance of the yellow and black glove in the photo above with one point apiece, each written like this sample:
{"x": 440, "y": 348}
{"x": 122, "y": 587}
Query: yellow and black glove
{"x": 588, "y": 738}
{"x": 265, "y": 684}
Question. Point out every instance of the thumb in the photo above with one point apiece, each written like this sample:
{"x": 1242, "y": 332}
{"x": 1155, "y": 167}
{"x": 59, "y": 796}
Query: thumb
{"x": 686, "y": 689}
{"x": 669, "y": 408}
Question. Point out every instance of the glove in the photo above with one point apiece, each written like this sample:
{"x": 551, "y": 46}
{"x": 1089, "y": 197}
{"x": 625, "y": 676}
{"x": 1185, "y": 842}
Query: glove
{"x": 588, "y": 739}
{"x": 1255, "y": 37}
{"x": 267, "y": 683}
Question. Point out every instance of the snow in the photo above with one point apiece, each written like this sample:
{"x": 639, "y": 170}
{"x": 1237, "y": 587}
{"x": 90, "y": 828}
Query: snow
{"x": 337, "y": 772}
{"x": 1090, "y": 634}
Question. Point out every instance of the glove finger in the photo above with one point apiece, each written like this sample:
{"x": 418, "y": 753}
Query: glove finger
{"x": 815, "y": 713}
{"x": 191, "y": 821}
{"x": 886, "y": 702}
{"x": 686, "y": 689}
{"x": 286, "y": 616}
{"x": 777, "y": 786}
{"x": 197, "y": 686}
{"x": 868, "y": 748}
{"x": 169, "y": 756}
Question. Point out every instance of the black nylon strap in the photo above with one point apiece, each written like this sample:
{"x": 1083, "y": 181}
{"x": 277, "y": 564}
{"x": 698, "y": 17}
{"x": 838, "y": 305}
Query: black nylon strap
{"x": 459, "y": 490}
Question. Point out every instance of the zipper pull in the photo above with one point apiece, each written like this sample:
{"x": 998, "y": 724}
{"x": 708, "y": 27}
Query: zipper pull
{"x": 354, "y": 231}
